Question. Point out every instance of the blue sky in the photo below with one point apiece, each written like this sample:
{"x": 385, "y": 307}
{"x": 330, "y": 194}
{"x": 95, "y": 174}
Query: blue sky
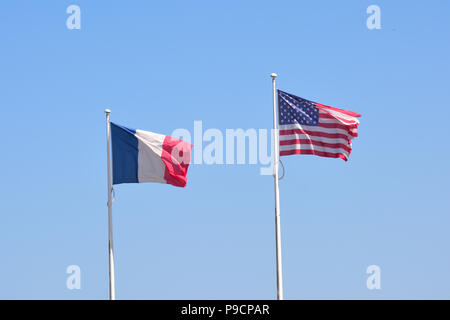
{"x": 160, "y": 66}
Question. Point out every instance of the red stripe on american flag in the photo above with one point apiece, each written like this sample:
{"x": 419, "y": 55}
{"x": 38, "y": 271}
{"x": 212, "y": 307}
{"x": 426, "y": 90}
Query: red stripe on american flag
{"x": 318, "y": 134}
{"x": 349, "y": 113}
{"x": 314, "y": 152}
{"x": 325, "y": 115}
{"x": 316, "y": 143}
{"x": 337, "y": 126}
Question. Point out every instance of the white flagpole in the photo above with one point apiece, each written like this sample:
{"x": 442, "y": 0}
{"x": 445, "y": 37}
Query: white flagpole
{"x": 276, "y": 156}
{"x": 112, "y": 289}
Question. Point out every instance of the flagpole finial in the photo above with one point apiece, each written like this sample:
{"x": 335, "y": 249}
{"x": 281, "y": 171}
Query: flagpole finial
{"x": 107, "y": 111}
{"x": 274, "y": 75}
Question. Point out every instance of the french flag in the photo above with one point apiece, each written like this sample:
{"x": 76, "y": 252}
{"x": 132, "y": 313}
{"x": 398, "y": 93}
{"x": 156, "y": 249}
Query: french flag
{"x": 143, "y": 156}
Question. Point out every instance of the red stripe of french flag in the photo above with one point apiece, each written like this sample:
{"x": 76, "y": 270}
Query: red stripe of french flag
{"x": 176, "y": 155}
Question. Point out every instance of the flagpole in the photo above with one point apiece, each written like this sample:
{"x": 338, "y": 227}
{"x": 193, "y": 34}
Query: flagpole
{"x": 112, "y": 290}
{"x": 276, "y": 156}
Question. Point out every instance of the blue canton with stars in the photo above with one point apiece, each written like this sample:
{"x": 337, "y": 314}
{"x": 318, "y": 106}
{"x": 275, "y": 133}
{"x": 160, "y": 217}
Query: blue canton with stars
{"x": 295, "y": 110}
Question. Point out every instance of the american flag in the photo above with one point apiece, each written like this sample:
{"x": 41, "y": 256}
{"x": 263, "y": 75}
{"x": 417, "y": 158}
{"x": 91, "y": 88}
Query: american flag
{"x": 307, "y": 127}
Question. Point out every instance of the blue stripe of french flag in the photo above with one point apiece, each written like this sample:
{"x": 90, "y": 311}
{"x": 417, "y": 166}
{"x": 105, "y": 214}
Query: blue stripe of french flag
{"x": 143, "y": 156}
